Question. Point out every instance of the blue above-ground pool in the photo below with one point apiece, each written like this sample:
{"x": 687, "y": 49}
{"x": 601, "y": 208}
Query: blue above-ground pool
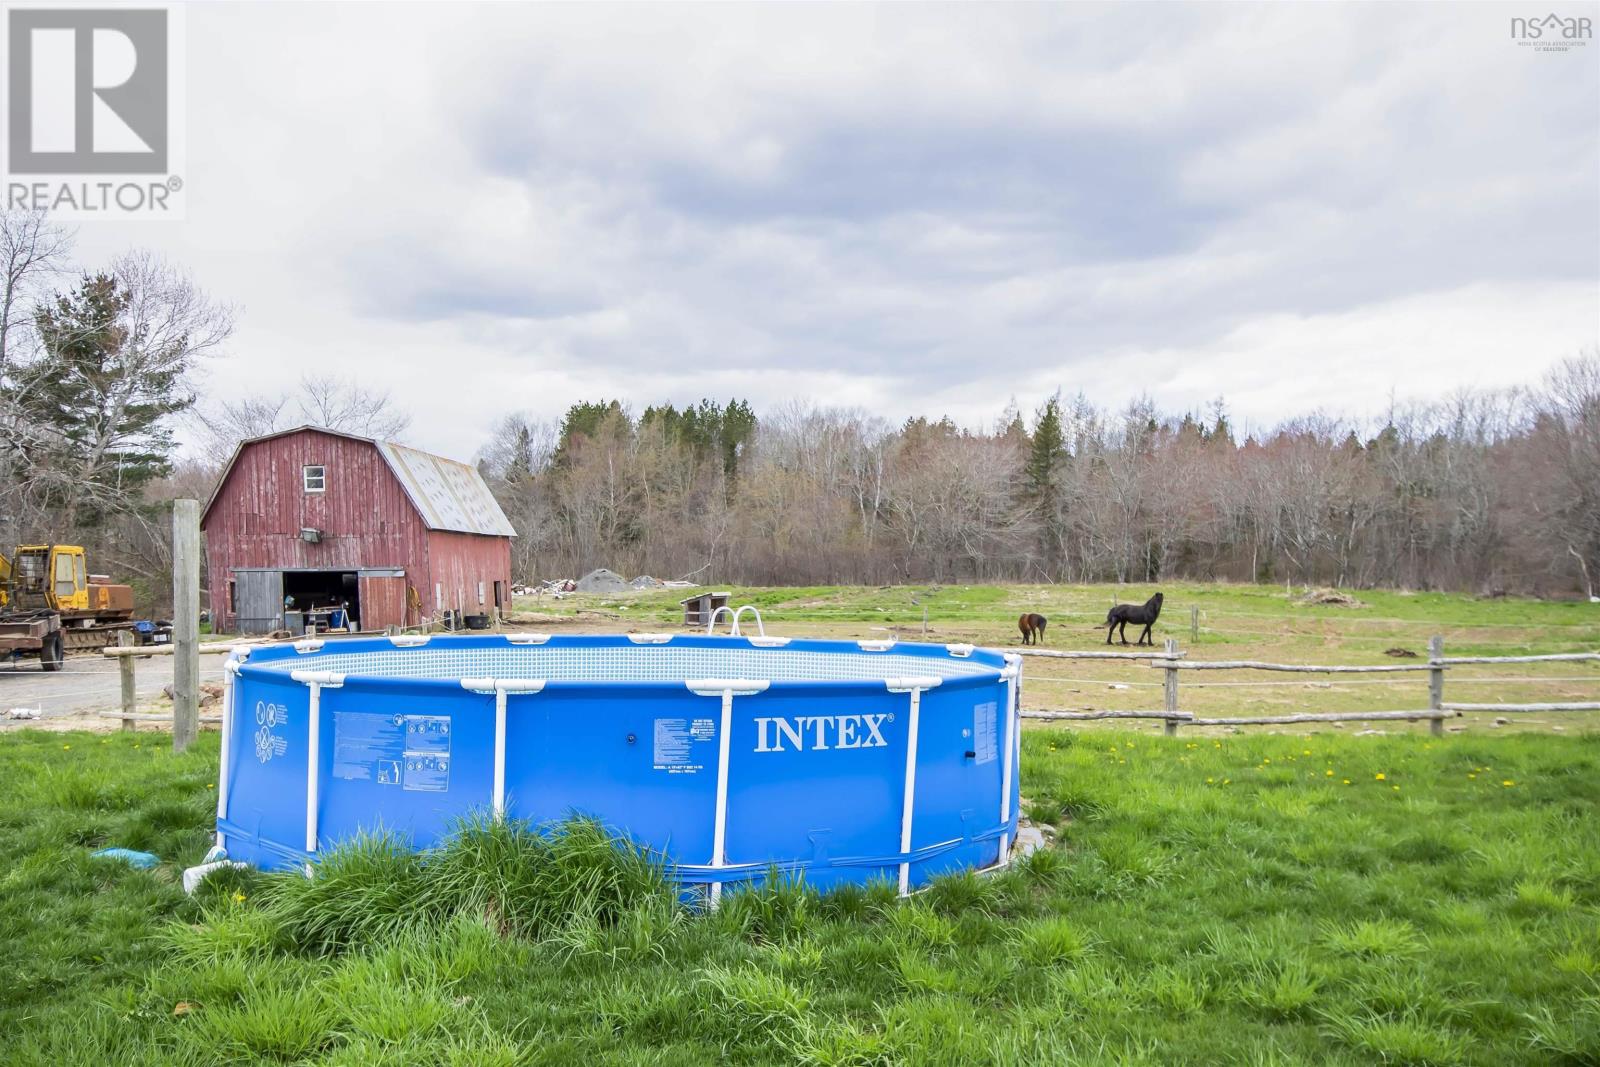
{"x": 832, "y": 761}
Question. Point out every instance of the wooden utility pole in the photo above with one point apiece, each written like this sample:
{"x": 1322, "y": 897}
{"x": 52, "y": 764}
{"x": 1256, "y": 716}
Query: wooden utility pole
{"x": 185, "y": 623}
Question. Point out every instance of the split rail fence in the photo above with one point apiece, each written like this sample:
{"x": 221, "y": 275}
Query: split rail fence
{"x": 1172, "y": 662}
{"x": 125, "y": 654}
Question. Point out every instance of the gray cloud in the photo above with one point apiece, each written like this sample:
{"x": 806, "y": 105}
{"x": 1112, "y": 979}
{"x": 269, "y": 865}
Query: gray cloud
{"x": 911, "y": 207}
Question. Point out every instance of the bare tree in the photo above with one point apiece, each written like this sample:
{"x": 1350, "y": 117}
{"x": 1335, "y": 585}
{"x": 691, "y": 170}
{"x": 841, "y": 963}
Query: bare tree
{"x": 33, "y": 250}
{"x": 332, "y": 403}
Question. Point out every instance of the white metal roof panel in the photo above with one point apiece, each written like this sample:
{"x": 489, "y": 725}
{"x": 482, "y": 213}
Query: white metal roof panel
{"x": 448, "y": 495}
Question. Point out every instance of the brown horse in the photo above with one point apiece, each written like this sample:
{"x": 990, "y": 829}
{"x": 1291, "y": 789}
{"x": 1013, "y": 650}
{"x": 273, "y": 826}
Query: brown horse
{"x": 1032, "y": 626}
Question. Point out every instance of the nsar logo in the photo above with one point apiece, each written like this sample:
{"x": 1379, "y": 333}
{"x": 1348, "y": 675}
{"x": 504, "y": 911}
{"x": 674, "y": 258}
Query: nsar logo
{"x": 1552, "y": 33}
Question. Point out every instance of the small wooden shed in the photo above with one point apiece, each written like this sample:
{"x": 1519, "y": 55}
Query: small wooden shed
{"x": 698, "y": 609}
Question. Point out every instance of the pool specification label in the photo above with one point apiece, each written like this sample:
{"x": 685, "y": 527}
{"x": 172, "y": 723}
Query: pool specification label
{"x": 985, "y": 732}
{"x": 676, "y": 741}
{"x": 410, "y": 751}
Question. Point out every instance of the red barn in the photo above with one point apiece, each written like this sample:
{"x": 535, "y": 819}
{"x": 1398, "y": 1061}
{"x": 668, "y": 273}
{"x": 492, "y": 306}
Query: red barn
{"x": 310, "y": 520}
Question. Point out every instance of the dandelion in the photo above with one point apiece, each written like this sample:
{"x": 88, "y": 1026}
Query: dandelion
{"x": 1508, "y": 783}
{"x": 1472, "y": 776}
{"x": 1265, "y": 761}
{"x": 1347, "y": 781}
{"x": 1226, "y": 781}
{"x": 1379, "y": 776}
{"x": 1210, "y": 781}
{"x": 1328, "y": 772}
{"x": 238, "y": 897}
{"x": 211, "y": 785}
{"x": 1395, "y": 788}
{"x": 1128, "y": 743}
{"x": 1307, "y": 752}
{"x": 65, "y": 747}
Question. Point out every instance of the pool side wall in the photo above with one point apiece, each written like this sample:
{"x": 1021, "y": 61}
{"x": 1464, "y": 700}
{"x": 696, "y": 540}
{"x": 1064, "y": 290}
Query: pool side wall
{"x": 815, "y": 772}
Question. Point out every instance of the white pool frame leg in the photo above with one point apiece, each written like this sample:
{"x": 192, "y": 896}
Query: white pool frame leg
{"x": 719, "y": 833}
{"x": 1012, "y": 749}
{"x": 908, "y": 802}
{"x": 317, "y": 681}
{"x": 501, "y": 688}
{"x": 229, "y": 669}
{"x": 726, "y": 689}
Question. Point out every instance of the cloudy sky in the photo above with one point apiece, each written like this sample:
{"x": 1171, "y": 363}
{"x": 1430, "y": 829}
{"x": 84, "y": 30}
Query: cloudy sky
{"x": 910, "y": 209}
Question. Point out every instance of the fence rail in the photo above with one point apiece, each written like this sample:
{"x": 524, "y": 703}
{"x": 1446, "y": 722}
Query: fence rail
{"x": 1170, "y": 661}
{"x": 125, "y": 652}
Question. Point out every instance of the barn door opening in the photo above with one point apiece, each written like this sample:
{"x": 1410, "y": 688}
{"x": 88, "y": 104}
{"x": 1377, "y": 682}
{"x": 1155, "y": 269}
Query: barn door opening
{"x": 321, "y": 599}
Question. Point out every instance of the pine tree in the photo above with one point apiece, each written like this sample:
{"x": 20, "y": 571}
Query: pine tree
{"x": 1046, "y": 455}
{"x": 104, "y": 390}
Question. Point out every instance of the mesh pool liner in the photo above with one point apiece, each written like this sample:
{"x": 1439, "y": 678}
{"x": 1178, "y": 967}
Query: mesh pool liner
{"x": 632, "y": 663}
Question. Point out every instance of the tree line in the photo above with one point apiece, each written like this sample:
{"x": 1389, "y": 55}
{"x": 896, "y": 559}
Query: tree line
{"x": 101, "y": 367}
{"x": 1486, "y": 491}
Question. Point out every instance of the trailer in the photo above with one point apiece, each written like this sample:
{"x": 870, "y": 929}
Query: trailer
{"x": 38, "y": 634}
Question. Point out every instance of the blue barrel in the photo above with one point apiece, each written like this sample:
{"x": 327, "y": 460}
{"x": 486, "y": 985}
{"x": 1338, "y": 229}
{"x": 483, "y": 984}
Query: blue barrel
{"x": 829, "y": 761}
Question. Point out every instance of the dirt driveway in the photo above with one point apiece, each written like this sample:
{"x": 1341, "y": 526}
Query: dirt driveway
{"x": 73, "y": 697}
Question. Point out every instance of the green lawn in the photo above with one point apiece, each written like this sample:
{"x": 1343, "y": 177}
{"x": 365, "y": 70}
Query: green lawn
{"x": 1259, "y": 899}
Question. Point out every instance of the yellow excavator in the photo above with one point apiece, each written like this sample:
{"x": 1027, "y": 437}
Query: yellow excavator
{"x": 55, "y": 578}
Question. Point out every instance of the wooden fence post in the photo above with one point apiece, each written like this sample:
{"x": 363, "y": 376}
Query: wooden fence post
{"x": 1436, "y": 683}
{"x": 130, "y": 699}
{"x": 185, "y": 623}
{"x": 1170, "y": 687}
{"x": 1194, "y": 625}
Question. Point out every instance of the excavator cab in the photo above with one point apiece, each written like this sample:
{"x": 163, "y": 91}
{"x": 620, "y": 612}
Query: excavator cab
{"x": 50, "y": 576}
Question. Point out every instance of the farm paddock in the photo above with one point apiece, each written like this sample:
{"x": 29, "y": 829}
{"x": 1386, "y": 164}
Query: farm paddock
{"x": 1325, "y": 896}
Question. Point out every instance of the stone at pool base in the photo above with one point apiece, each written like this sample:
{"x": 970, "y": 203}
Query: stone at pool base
{"x": 1030, "y": 839}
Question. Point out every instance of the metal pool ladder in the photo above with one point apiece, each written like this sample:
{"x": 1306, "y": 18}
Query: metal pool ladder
{"x": 734, "y": 617}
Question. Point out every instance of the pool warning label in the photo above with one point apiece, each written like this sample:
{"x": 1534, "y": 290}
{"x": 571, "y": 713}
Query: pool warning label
{"x": 677, "y": 744}
{"x": 410, "y": 751}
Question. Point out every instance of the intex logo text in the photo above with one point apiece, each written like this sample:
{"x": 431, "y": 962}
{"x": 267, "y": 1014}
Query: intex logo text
{"x": 820, "y": 732}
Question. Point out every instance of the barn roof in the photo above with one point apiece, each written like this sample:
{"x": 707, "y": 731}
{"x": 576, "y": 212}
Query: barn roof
{"x": 449, "y": 495}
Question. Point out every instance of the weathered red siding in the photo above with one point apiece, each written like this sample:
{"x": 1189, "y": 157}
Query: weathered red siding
{"x": 459, "y": 562}
{"x": 365, "y": 516}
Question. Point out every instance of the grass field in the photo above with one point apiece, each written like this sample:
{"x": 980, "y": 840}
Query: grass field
{"x": 1236, "y": 622}
{"x": 1253, "y": 898}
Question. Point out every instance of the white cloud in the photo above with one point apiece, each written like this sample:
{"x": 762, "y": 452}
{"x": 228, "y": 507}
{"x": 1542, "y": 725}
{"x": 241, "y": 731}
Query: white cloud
{"x": 918, "y": 210}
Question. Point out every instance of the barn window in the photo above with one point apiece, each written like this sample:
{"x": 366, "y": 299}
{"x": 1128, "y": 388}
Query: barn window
{"x": 316, "y": 478}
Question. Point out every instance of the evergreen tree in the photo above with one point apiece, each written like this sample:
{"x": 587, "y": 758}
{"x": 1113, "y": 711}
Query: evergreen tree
{"x": 1046, "y": 455}
{"x": 103, "y": 387}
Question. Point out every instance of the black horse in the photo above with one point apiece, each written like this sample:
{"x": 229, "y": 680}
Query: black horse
{"x": 1145, "y": 614}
